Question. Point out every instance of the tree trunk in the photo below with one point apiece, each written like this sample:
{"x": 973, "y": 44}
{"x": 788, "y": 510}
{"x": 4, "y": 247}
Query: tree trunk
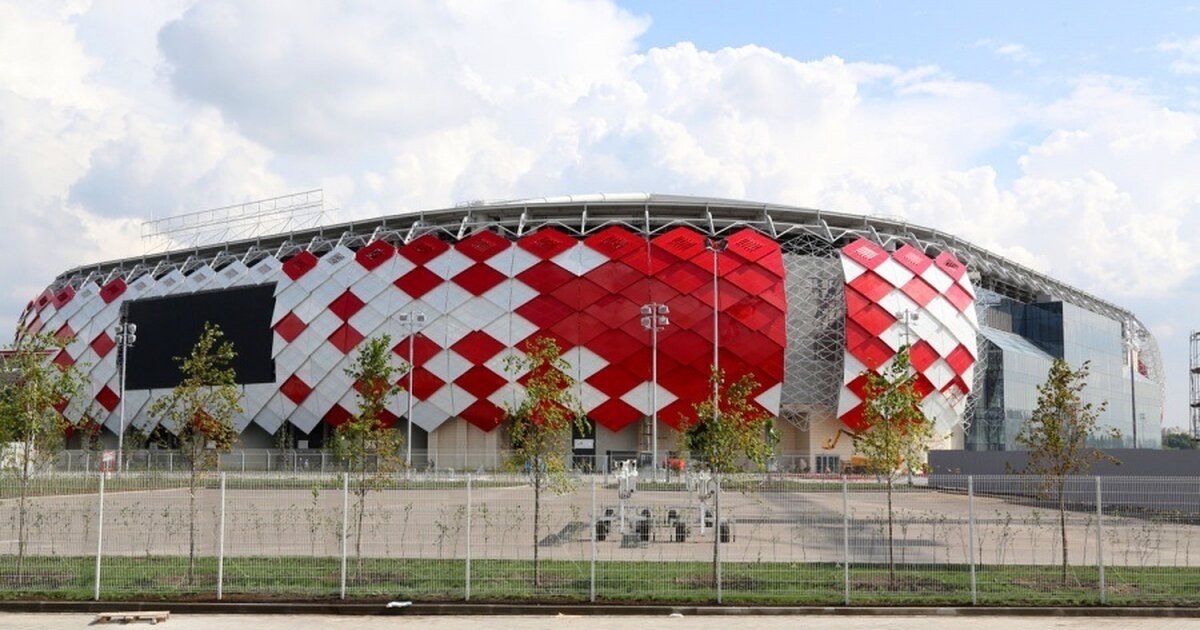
{"x": 537, "y": 515}
{"x": 192, "y": 519}
{"x": 360, "y": 508}
{"x": 1062, "y": 524}
{"x": 891, "y": 537}
{"x": 22, "y": 508}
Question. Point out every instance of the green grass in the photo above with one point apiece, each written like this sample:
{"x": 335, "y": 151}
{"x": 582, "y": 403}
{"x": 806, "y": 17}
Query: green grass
{"x": 307, "y": 578}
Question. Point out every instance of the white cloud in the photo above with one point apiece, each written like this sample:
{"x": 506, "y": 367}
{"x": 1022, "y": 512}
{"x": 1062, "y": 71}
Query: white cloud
{"x": 1187, "y": 52}
{"x": 1010, "y": 50}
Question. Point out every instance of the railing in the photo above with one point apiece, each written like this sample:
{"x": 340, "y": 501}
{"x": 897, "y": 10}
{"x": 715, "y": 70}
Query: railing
{"x": 779, "y": 539}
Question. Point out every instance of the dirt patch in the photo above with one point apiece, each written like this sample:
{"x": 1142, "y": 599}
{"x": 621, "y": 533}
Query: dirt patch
{"x": 1051, "y": 583}
{"x": 733, "y": 582}
{"x": 37, "y": 579}
{"x": 901, "y": 583}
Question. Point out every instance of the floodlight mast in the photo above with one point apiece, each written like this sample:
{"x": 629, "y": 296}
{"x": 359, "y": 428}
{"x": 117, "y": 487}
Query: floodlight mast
{"x": 126, "y": 335}
{"x": 654, "y": 319}
{"x": 413, "y": 320}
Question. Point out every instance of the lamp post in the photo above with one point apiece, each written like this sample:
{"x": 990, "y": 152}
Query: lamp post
{"x": 654, "y": 318}
{"x": 126, "y": 335}
{"x": 412, "y": 320}
{"x": 716, "y": 247}
{"x": 908, "y": 318}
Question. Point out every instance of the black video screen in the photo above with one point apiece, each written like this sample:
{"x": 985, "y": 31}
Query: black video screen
{"x": 169, "y": 326}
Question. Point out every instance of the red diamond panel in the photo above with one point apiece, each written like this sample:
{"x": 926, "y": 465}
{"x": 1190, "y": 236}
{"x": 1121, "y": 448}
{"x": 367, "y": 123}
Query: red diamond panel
{"x": 874, "y": 319}
{"x": 913, "y": 259}
{"x": 688, "y": 312}
{"x": 578, "y": 328}
{"x": 776, "y": 331}
{"x": 752, "y": 312}
{"x": 677, "y": 414}
{"x": 922, "y": 386}
{"x": 546, "y": 243}
{"x": 614, "y": 345}
{"x": 614, "y": 276}
{"x": 545, "y": 276}
{"x": 756, "y": 352}
{"x": 424, "y": 383}
{"x": 295, "y": 389}
{"x": 858, "y": 386}
{"x": 638, "y": 364}
{"x": 477, "y": 347}
{"x": 752, "y": 278}
{"x": 650, "y": 290}
{"x": 855, "y": 301}
{"x": 63, "y": 296}
{"x": 300, "y": 264}
{"x": 479, "y": 278}
{"x": 112, "y": 290}
{"x": 103, "y": 344}
{"x": 579, "y": 293}
{"x": 424, "y": 249}
{"x": 482, "y": 245}
{"x": 615, "y": 414}
{"x": 960, "y": 360}
{"x": 418, "y": 282}
{"x": 336, "y": 416}
{"x": 346, "y": 305}
{"x": 375, "y": 254}
{"x": 872, "y": 286}
{"x": 483, "y": 414}
{"x": 345, "y": 338}
{"x": 686, "y": 383}
{"x": 919, "y": 291}
{"x": 685, "y": 346}
{"x": 615, "y": 242}
{"x": 423, "y": 350}
{"x": 64, "y": 333}
{"x": 873, "y": 353}
{"x": 680, "y": 242}
{"x": 773, "y": 366}
{"x": 776, "y": 296}
{"x": 865, "y": 253}
{"x": 44, "y": 299}
{"x": 613, "y": 381}
{"x": 685, "y": 277}
{"x": 289, "y": 327}
{"x": 649, "y": 263}
{"x": 107, "y": 398}
{"x": 750, "y": 244}
{"x": 564, "y": 344}
{"x": 63, "y": 360}
{"x": 613, "y": 311}
{"x": 855, "y": 420}
{"x": 544, "y": 311}
{"x": 959, "y": 298}
{"x": 949, "y": 264}
{"x": 480, "y": 382}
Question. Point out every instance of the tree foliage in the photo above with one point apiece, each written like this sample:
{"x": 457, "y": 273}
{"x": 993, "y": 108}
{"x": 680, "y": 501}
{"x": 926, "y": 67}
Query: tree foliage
{"x": 1057, "y": 435}
{"x": 1178, "y": 440}
{"x": 201, "y": 409}
{"x": 732, "y": 429}
{"x": 539, "y": 425}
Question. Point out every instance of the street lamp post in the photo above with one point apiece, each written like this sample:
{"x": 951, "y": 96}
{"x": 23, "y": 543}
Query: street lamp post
{"x": 654, "y": 318}
{"x": 411, "y": 320}
{"x": 908, "y": 318}
{"x": 716, "y": 247}
{"x": 126, "y": 335}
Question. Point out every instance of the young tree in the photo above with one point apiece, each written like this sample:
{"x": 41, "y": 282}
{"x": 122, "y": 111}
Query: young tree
{"x": 731, "y": 429}
{"x": 369, "y": 445}
{"x": 201, "y": 409}
{"x": 1057, "y": 434}
{"x": 539, "y": 426}
{"x": 32, "y": 390}
{"x": 897, "y": 434}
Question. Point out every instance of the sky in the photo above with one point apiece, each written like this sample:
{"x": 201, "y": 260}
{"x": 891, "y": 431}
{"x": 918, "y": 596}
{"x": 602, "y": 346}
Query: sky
{"x": 1065, "y": 136}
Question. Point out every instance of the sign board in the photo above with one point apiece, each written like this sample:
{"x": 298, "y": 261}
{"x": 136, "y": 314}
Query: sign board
{"x": 585, "y": 444}
{"x": 108, "y": 461}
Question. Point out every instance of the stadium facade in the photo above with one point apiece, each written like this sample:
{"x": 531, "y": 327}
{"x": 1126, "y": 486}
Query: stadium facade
{"x": 804, "y": 300}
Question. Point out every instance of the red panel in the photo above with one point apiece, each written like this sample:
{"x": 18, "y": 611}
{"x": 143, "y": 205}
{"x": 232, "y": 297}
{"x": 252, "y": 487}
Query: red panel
{"x": 855, "y": 301}
{"x": 649, "y": 290}
{"x": 639, "y": 363}
{"x": 112, "y": 290}
{"x": 479, "y": 278}
{"x": 955, "y": 390}
{"x": 579, "y": 293}
{"x": 337, "y": 416}
{"x": 913, "y": 259}
{"x": 44, "y": 299}
{"x": 756, "y": 351}
{"x": 681, "y": 242}
{"x": 613, "y": 381}
{"x": 614, "y": 276}
{"x": 873, "y": 353}
{"x": 545, "y": 276}
{"x": 544, "y": 311}
{"x": 483, "y": 414}
{"x": 481, "y": 246}
{"x": 688, "y": 312}
{"x": 424, "y": 383}
{"x": 423, "y": 350}
{"x": 773, "y": 262}
{"x": 546, "y": 243}
{"x": 959, "y": 298}
{"x": 418, "y": 282}
{"x": 855, "y": 420}
{"x": 922, "y": 386}
{"x": 615, "y": 242}
{"x": 753, "y": 312}
{"x": 374, "y": 254}
{"x": 872, "y": 286}
{"x": 772, "y": 366}
{"x": 578, "y": 328}
{"x": 346, "y": 305}
{"x": 726, "y": 262}
{"x": 776, "y": 331}
{"x": 614, "y": 345}
{"x": 62, "y": 297}
{"x": 300, "y": 264}
{"x": 685, "y": 346}
{"x": 687, "y": 383}
{"x": 776, "y": 295}
{"x": 64, "y": 333}
{"x": 865, "y": 253}
{"x": 874, "y": 319}
{"x": 345, "y": 338}
{"x": 960, "y": 360}
{"x": 564, "y": 344}
{"x": 103, "y": 344}
{"x": 752, "y": 278}
{"x": 424, "y": 249}
{"x": 107, "y": 398}
{"x": 650, "y": 263}
{"x": 477, "y": 347}
{"x": 615, "y": 414}
{"x": 685, "y": 277}
{"x": 480, "y": 382}
{"x": 613, "y": 310}
{"x": 289, "y": 327}
{"x": 919, "y": 291}
{"x": 855, "y": 335}
{"x": 63, "y": 359}
{"x": 922, "y": 355}
{"x": 750, "y": 244}
{"x": 949, "y": 264}
{"x": 295, "y": 389}
{"x": 677, "y": 414}
{"x": 859, "y": 386}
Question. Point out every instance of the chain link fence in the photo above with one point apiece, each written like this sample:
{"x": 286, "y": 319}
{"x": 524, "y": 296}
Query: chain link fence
{"x": 754, "y": 539}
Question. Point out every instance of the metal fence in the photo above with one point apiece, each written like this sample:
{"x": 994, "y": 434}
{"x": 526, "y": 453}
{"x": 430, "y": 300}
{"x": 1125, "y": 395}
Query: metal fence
{"x": 748, "y": 539}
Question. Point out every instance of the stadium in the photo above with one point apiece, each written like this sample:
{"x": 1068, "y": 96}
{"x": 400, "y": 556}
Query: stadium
{"x": 645, "y": 293}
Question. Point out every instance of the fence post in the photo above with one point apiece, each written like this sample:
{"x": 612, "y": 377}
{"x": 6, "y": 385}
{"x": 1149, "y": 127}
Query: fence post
{"x": 1100, "y": 541}
{"x": 268, "y": 460}
{"x": 221, "y": 544}
{"x": 99, "y": 538}
{"x": 345, "y": 525}
{"x": 68, "y": 461}
{"x": 243, "y": 460}
{"x": 971, "y": 536}
{"x": 468, "y": 568}
{"x": 171, "y": 461}
{"x": 845, "y": 541}
{"x": 592, "y": 578}
{"x": 322, "y": 461}
{"x": 717, "y": 535}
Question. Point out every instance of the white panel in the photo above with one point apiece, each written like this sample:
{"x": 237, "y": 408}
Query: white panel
{"x": 590, "y": 397}
{"x": 579, "y": 259}
{"x": 941, "y": 339}
{"x": 304, "y": 418}
{"x": 846, "y": 401}
{"x": 427, "y": 416}
{"x": 770, "y": 399}
{"x": 446, "y": 331}
{"x": 943, "y": 416}
{"x": 939, "y": 373}
{"x": 850, "y": 269}
{"x": 230, "y": 274}
{"x": 446, "y": 297}
{"x": 393, "y": 268}
{"x": 286, "y": 300}
{"x": 322, "y": 326}
{"x": 288, "y": 361}
{"x": 510, "y": 330}
{"x": 942, "y": 310}
{"x": 498, "y": 364}
{"x": 510, "y": 395}
{"x": 937, "y": 278}
{"x": 897, "y": 303}
{"x": 852, "y": 367}
{"x": 199, "y": 279}
{"x": 512, "y": 261}
{"x": 510, "y": 294}
{"x": 894, "y": 272}
{"x": 449, "y": 264}
{"x": 477, "y": 313}
{"x": 273, "y": 414}
{"x": 584, "y": 362}
{"x": 447, "y": 365}
{"x": 367, "y": 321}
{"x": 639, "y": 398}
{"x": 369, "y": 286}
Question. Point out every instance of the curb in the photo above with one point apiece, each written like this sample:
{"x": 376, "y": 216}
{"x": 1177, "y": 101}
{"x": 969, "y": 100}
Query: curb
{"x": 464, "y": 609}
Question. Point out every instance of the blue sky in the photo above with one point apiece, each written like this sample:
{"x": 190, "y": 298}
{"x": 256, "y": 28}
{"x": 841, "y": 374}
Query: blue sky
{"x": 1064, "y": 135}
